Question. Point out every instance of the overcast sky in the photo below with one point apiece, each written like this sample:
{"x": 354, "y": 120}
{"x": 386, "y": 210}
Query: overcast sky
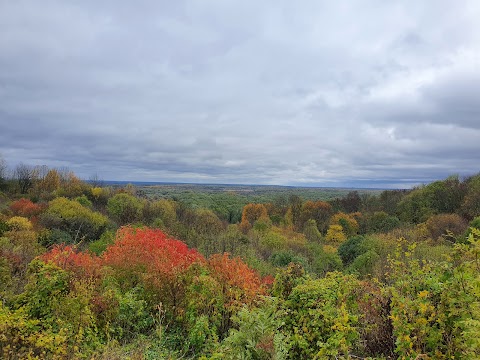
{"x": 330, "y": 93}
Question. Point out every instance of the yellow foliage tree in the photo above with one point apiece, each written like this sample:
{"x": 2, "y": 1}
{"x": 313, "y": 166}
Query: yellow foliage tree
{"x": 335, "y": 234}
{"x": 347, "y": 222}
{"x": 96, "y": 192}
{"x": 72, "y": 186}
{"x": 20, "y": 239}
{"x": 51, "y": 182}
{"x": 19, "y": 223}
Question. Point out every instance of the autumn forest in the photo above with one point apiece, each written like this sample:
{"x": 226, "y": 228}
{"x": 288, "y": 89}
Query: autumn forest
{"x": 91, "y": 270}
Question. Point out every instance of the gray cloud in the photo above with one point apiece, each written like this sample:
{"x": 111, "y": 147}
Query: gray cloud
{"x": 318, "y": 93}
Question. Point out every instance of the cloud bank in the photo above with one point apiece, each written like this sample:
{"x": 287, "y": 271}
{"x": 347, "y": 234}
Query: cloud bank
{"x": 346, "y": 93}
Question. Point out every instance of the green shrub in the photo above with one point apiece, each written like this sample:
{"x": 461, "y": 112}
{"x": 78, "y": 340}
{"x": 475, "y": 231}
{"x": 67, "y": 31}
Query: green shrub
{"x": 84, "y": 201}
{"x": 253, "y": 334}
{"x": 435, "y": 306}
{"x": 322, "y": 262}
{"x": 48, "y": 238}
{"x": 311, "y": 232}
{"x": 319, "y": 319}
{"x": 364, "y": 264}
{"x": 350, "y": 249}
{"x": 3, "y": 227}
{"x": 125, "y": 208}
{"x": 99, "y": 246}
{"x": 46, "y": 283}
{"x": 133, "y": 316}
{"x": 70, "y": 216}
{"x": 382, "y": 222}
{"x": 283, "y": 258}
{"x": 287, "y": 279}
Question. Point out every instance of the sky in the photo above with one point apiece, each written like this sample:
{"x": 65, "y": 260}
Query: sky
{"x": 369, "y": 93}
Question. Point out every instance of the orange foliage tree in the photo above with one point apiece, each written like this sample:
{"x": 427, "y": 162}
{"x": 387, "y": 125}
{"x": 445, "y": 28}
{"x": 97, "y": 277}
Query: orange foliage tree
{"x": 240, "y": 285}
{"x": 252, "y": 213}
{"x": 320, "y": 211}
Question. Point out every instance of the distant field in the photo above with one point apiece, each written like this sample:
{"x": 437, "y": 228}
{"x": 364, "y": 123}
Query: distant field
{"x": 252, "y": 193}
{"x": 255, "y": 193}
{"x": 227, "y": 201}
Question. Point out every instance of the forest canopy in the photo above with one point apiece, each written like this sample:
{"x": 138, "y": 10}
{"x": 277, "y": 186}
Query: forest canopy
{"x": 89, "y": 270}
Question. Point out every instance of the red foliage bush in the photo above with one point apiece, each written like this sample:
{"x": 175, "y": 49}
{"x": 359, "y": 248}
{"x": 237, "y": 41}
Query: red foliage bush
{"x": 268, "y": 281}
{"x": 79, "y": 263}
{"x": 26, "y": 208}
{"x": 165, "y": 269}
{"x": 159, "y": 263}
{"x": 148, "y": 250}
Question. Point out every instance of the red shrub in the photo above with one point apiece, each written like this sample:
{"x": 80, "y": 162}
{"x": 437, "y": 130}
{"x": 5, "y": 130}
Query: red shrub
{"x": 241, "y": 284}
{"x": 268, "y": 281}
{"x": 150, "y": 257}
{"x": 14, "y": 261}
{"x": 149, "y": 250}
{"x": 166, "y": 269}
{"x": 25, "y": 207}
{"x": 68, "y": 258}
